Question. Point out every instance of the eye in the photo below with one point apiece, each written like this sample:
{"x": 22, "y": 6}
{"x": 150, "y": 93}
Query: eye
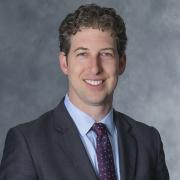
{"x": 82, "y": 54}
{"x": 107, "y": 54}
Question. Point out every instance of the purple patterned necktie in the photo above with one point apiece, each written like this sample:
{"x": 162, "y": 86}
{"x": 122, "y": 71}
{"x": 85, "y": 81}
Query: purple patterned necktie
{"x": 104, "y": 153}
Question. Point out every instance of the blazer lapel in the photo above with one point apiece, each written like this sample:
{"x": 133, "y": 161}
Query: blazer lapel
{"x": 70, "y": 142}
{"x": 127, "y": 147}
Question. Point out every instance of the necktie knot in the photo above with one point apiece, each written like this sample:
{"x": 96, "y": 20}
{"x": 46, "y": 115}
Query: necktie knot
{"x": 100, "y": 129}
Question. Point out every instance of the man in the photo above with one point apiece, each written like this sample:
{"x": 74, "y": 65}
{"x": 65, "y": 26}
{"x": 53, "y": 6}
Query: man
{"x": 84, "y": 138}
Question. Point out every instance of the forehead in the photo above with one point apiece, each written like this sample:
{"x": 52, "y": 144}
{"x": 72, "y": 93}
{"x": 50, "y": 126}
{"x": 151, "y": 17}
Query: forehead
{"x": 92, "y": 38}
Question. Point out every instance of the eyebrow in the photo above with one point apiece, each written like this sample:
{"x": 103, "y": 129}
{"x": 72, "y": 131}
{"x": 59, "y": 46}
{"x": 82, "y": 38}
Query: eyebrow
{"x": 104, "y": 49}
{"x": 85, "y": 49}
{"x": 80, "y": 48}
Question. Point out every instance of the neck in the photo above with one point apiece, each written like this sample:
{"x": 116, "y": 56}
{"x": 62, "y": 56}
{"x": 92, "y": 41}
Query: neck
{"x": 97, "y": 112}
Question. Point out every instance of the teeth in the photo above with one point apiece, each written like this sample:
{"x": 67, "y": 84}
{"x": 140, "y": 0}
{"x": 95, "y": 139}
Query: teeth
{"x": 94, "y": 82}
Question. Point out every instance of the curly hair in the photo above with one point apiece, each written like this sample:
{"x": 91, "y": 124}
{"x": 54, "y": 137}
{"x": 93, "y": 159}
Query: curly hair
{"x": 93, "y": 16}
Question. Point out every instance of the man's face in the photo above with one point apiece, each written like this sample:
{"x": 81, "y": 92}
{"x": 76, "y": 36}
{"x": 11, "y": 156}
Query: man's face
{"x": 92, "y": 66}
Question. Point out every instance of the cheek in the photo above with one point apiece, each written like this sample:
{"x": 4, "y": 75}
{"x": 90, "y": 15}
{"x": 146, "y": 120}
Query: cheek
{"x": 111, "y": 69}
{"x": 75, "y": 70}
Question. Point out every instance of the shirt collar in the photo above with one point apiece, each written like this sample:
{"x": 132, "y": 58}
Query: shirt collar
{"x": 84, "y": 122}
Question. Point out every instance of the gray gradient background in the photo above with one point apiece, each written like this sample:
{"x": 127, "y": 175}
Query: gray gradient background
{"x": 31, "y": 82}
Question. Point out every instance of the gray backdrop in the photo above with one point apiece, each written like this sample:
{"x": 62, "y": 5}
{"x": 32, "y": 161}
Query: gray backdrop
{"x": 31, "y": 82}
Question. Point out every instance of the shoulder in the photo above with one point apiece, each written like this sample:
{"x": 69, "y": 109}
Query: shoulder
{"x": 44, "y": 126}
{"x": 131, "y": 122}
{"x": 147, "y": 137}
{"x": 32, "y": 131}
{"x": 137, "y": 128}
{"x": 42, "y": 122}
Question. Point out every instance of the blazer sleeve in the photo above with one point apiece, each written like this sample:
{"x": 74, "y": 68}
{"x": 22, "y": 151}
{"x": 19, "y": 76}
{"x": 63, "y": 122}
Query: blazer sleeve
{"x": 161, "y": 172}
{"x": 17, "y": 162}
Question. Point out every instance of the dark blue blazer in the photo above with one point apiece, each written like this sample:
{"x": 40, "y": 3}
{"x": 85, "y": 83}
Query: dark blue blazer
{"x": 50, "y": 148}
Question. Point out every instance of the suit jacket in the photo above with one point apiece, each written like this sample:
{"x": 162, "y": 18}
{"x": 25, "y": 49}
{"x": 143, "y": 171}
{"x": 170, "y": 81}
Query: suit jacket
{"x": 50, "y": 148}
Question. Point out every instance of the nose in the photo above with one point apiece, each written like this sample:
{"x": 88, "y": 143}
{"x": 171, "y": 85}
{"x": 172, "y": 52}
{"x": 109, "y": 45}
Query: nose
{"x": 95, "y": 65}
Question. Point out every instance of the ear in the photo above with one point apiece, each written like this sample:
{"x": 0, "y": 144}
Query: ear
{"x": 63, "y": 63}
{"x": 122, "y": 63}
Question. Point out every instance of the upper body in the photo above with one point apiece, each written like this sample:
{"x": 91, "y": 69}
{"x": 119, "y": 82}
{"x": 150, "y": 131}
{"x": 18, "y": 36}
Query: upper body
{"x": 51, "y": 148}
{"x": 92, "y": 55}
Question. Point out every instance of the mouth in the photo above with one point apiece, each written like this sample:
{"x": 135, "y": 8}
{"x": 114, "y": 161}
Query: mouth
{"x": 94, "y": 82}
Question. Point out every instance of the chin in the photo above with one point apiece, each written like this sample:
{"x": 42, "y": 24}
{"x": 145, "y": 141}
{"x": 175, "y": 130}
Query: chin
{"x": 98, "y": 101}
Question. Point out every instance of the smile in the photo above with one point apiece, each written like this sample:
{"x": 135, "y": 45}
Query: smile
{"x": 94, "y": 82}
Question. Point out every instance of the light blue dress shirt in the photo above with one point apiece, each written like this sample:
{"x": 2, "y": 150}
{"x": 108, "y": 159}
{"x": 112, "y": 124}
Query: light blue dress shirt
{"x": 84, "y": 123}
